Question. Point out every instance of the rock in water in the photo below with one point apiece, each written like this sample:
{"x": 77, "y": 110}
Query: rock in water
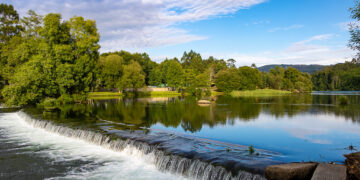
{"x": 329, "y": 172}
{"x": 292, "y": 171}
{"x": 352, "y": 163}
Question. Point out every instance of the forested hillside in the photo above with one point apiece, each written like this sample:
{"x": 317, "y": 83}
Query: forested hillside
{"x": 301, "y": 67}
{"x": 344, "y": 76}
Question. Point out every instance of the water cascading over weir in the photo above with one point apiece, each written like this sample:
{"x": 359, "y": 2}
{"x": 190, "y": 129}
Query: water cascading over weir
{"x": 193, "y": 165}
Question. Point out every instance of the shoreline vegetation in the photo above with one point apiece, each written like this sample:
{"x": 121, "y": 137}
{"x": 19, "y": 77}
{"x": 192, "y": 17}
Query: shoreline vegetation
{"x": 50, "y": 60}
{"x": 116, "y": 95}
{"x": 245, "y": 93}
{"x": 260, "y": 93}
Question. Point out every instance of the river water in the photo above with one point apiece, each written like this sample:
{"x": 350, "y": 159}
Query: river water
{"x": 175, "y": 138}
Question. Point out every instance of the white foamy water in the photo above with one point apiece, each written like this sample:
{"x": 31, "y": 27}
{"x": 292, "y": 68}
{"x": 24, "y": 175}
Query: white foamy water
{"x": 106, "y": 164}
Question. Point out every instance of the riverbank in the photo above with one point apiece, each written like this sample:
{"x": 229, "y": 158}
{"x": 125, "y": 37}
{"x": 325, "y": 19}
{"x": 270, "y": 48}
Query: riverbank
{"x": 105, "y": 95}
{"x": 116, "y": 95}
{"x": 259, "y": 93}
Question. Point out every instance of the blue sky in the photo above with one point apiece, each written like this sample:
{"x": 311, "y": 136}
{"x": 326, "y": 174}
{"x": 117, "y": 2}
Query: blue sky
{"x": 250, "y": 31}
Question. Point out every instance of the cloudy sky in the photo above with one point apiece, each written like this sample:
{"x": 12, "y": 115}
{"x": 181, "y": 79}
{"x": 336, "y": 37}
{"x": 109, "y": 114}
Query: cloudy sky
{"x": 250, "y": 31}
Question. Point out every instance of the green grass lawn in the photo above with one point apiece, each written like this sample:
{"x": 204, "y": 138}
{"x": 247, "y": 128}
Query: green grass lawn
{"x": 216, "y": 93}
{"x": 105, "y": 95}
{"x": 116, "y": 95}
{"x": 260, "y": 93}
{"x": 161, "y": 94}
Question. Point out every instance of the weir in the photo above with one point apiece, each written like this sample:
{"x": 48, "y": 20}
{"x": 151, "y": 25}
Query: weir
{"x": 165, "y": 162}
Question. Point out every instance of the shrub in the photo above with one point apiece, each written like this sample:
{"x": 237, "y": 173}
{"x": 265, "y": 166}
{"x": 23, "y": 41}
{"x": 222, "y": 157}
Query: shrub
{"x": 343, "y": 100}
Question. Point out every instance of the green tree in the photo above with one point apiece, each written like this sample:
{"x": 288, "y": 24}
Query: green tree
{"x": 155, "y": 76}
{"x": 9, "y": 23}
{"x": 230, "y": 63}
{"x": 133, "y": 77}
{"x": 193, "y": 60}
{"x": 189, "y": 77}
{"x": 111, "y": 70}
{"x": 31, "y": 24}
{"x": 251, "y": 78}
{"x": 354, "y": 41}
{"x": 55, "y": 59}
{"x": 228, "y": 80}
{"x": 174, "y": 75}
{"x": 28, "y": 85}
{"x": 85, "y": 38}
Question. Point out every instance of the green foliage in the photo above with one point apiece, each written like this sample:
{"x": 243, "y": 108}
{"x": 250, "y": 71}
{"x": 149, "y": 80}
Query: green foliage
{"x": 354, "y": 41}
{"x": 311, "y": 68}
{"x": 47, "y": 57}
{"x": 142, "y": 58}
{"x": 174, "y": 75}
{"x": 259, "y": 93}
{"x": 155, "y": 77}
{"x": 9, "y": 23}
{"x": 250, "y": 78}
{"x": 251, "y": 150}
{"x": 228, "y": 80}
{"x": 111, "y": 70}
{"x": 55, "y": 60}
{"x": 50, "y": 102}
{"x": 132, "y": 77}
{"x": 344, "y": 76}
{"x": 343, "y": 100}
{"x": 193, "y": 60}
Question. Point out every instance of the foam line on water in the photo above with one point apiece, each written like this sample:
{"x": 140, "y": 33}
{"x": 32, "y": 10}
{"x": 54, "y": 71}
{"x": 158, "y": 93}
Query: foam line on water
{"x": 107, "y": 164}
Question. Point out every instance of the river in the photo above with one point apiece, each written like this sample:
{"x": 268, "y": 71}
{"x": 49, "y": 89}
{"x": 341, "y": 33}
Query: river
{"x": 175, "y": 138}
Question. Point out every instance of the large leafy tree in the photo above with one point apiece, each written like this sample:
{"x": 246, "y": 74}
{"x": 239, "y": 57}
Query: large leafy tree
{"x": 251, "y": 78}
{"x": 111, "y": 70}
{"x": 9, "y": 23}
{"x": 174, "y": 74}
{"x": 155, "y": 76}
{"x": 354, "y": 41}
{"x": 133, "y": 77}
{"x": 193, "y": 60}
{"x": 228, "y": 80}
{"x": 56, "y": 59}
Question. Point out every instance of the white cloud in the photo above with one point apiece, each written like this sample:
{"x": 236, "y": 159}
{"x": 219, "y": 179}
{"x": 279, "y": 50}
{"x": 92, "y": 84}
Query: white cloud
{"x": 301, "y": 52}
{"x": 295, "y": 26}
{"x": 137, "y": 24}
{"x": 320, "y": 37}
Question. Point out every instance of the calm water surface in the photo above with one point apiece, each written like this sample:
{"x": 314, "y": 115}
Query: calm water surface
{"x": 307, "y": 127}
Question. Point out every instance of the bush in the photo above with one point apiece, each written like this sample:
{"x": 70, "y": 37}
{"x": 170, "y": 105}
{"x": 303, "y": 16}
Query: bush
{"x": 343, "y": 100}
{"x": 50, "y": 102}
{"x": 66, "y": 99}
{"x": 251, "y": 150}
{"x": 79, "y": 98}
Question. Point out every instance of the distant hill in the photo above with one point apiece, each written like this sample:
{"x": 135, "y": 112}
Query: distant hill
{"x": 301, "y": 67}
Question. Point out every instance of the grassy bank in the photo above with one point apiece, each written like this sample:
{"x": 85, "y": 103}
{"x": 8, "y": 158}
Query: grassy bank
{"x": 105, "y": 95}
{"x": 116, "y": 95}
{"x": 216, "y": 93}
{"x": 259, "y": 93}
